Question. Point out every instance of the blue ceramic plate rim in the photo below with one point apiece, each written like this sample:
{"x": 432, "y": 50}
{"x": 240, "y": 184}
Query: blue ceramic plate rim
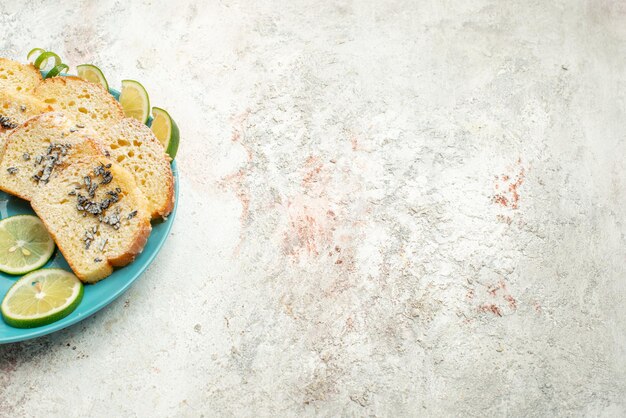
{"x": 21, "y": 334}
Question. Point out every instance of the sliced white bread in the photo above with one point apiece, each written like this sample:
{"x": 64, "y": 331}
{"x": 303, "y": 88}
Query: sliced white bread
{"x": 17, "y": 77}
{"x": 16, "y": 108}
{"x": 133, "y": 145}
{"x": 36, "y": 151}
{"x": 96, "y": 215}
{"x": 89, "y": 104}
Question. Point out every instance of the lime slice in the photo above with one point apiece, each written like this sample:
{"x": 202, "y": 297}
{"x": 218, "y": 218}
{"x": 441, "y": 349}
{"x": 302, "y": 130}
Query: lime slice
{"x": 166, "y": 130}
{"x": 92, "y": 73}
{"x": 135, "y": 101}
{"x": 25, "y": 244}
{"x": 41, "y": 297}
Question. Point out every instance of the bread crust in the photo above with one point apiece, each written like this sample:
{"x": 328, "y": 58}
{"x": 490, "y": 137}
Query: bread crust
{"x": 135, "y": 248}
{"x": 169, "y": 207}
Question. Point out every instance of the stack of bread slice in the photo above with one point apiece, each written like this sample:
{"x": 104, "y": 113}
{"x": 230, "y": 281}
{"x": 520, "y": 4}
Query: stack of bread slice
{"x": 94, "y": 177}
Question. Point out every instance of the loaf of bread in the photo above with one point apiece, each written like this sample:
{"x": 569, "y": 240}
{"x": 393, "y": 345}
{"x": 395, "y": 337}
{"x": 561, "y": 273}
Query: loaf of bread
{"x": 96, "y": 215}
{"x": 89, "y": 104}
{"x": 16, "y": 77}
{"x": 133, "y": 145}
{"x": 36, "y": 151}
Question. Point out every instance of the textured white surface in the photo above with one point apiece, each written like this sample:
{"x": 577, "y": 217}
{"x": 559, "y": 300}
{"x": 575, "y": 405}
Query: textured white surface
{"x": 397, "y": 208}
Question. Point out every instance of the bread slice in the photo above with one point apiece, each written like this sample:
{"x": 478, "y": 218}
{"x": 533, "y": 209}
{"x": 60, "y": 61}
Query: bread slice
{"x": 34, "y": 152}
{"x": 96, "y": 215}
{"x": 16, "y": 108}
{"x": 133, "y": 145}
{"x": 85, "y": 102}
{"x": 18, "y": 77}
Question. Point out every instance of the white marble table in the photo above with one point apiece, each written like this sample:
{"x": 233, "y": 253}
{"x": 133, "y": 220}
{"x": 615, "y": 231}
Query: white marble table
{"x": 387, "y": 208}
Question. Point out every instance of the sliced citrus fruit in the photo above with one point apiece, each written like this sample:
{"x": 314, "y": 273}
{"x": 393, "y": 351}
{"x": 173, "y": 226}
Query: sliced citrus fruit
{"x": 25, "y": 244}
{"x": 166, "y": 130}
{"x": 135, "y": 101}
{"x": 41, "y": 297}
{"x": 92, "y": 73}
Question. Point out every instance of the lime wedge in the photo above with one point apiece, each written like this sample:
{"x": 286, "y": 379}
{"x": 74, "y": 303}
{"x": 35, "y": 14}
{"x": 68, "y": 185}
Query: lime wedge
{"x": 92, "y": 73}
{"x": 166, "y": 130}
{"x": 25, "y": 244}
{"x": 135, "y": 101}
{"x": 41, "y": 297}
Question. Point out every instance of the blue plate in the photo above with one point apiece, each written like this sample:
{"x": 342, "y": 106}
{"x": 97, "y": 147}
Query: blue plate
{"x": 97, "y": 295}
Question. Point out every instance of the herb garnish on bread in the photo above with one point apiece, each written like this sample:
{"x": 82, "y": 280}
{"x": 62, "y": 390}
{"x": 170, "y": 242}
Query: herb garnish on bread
{"x": 96, "y": 215}
{"x": 35, "y": 151}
